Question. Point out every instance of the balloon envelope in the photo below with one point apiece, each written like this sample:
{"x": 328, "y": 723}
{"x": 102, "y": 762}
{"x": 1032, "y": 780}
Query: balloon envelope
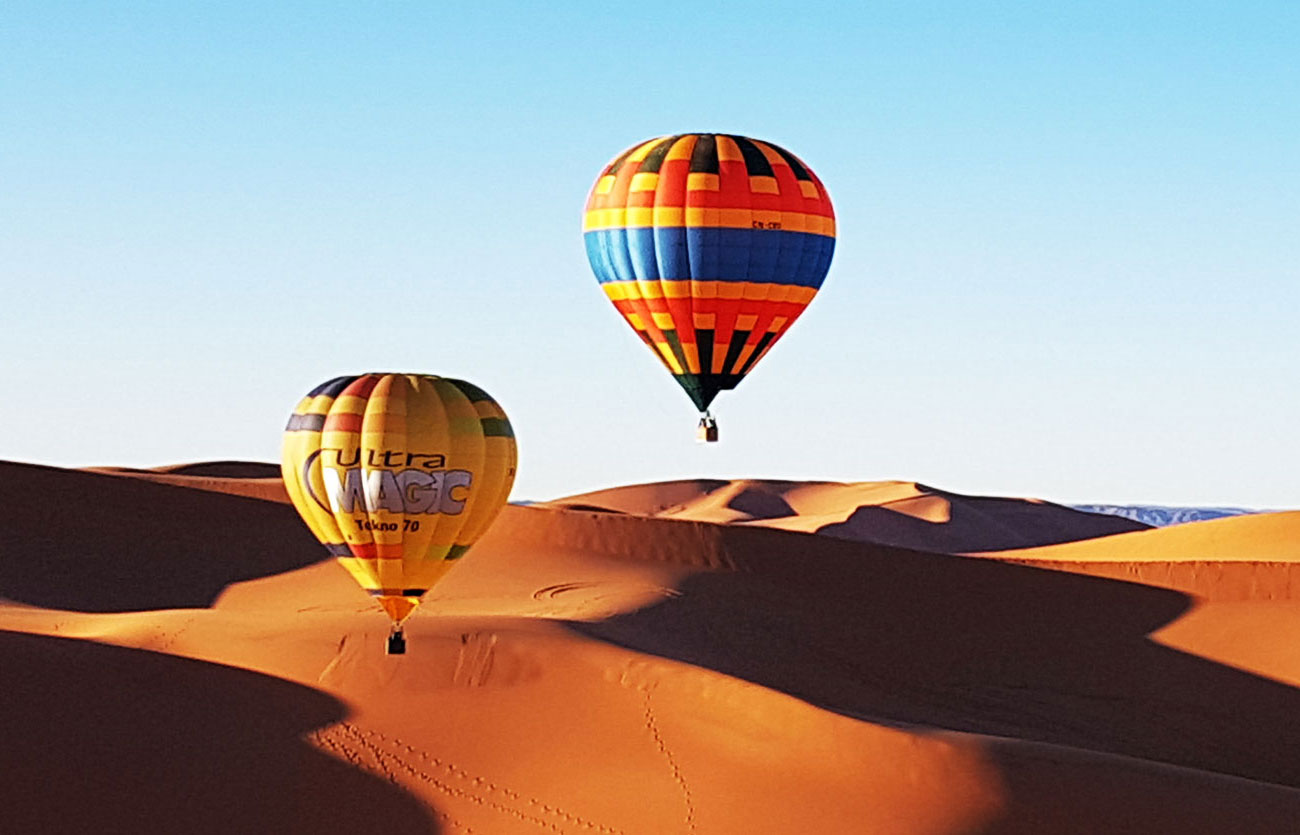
{"x": 398, "y": 475}
{"x": 710, "y": 246}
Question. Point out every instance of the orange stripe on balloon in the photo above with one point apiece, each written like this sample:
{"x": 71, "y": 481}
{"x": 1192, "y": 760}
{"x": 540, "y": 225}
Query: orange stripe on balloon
{"x": 361, "y": 386}
{"x": 342, "y": 422}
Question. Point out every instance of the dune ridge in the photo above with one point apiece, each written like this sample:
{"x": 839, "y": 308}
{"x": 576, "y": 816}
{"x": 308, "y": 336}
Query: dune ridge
{"x": 253, "y": 479}
{"x": 900, "y": 513}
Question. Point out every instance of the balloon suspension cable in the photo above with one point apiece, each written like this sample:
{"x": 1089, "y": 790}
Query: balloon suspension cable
{"x": 397, "y": 642}
{"x": 707, "y": 431}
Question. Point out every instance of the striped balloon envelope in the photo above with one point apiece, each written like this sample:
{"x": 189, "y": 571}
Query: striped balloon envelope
{"x": 710, "y": 246}
{"x": 397, "y": 475}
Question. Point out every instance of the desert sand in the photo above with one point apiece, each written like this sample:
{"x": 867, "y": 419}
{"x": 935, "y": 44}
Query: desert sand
{"x": 701, "y": 656}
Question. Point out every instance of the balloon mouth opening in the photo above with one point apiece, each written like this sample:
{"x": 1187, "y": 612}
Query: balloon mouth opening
{"x": 398, "y": 607}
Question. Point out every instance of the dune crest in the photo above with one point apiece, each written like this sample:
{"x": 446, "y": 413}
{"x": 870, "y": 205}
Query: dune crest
{"x": 899, "y": 513}
{"x": 253, "y": 479}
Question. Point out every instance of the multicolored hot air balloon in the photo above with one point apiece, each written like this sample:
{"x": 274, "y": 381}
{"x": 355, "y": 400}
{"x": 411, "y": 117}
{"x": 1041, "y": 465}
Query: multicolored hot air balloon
{"x": 710, "y": 246}
{"x": 398, "y": 475}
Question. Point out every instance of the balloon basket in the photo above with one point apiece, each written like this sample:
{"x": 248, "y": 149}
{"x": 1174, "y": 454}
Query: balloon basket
{"x": 707, "y": 431}
{"x": 397, "y": 643}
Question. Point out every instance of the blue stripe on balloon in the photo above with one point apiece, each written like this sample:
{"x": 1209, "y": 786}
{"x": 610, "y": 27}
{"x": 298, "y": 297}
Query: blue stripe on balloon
{"x": 789, "y": 260}
{"x": 702, "y": 246}
{"x": 672, "y": 251}
{"x": 620, "y": 259}
{"x": 733, "y": 254}
{"x": 607, "y": 252}
{"x": 764, "y": 253}
{"x": 641, "y": 252}
{"x": 826, "y": 248}
{"x": 598, "y": 257}
{"x": 702, "y": 253}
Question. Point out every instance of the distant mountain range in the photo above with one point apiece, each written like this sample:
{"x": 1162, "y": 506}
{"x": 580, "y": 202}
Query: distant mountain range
{"x": 1159, "y": 517}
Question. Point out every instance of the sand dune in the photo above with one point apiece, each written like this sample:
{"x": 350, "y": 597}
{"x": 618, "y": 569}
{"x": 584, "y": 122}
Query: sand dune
{"x": 1237, "y": 558}
{"x": 1263, "y": 537}
{"x": 101, "y": 738}
{"x": 624, "y": 662}
{"x": 100, "y": 542}
{"x": 900, "y": 513}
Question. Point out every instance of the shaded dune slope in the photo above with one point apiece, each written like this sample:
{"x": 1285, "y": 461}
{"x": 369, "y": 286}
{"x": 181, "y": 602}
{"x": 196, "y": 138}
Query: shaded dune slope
{"x": 97, "y": 542}
{"x": 107, "y": 739}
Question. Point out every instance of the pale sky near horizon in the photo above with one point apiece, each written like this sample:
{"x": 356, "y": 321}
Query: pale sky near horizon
{"x": 1068, "y": 263}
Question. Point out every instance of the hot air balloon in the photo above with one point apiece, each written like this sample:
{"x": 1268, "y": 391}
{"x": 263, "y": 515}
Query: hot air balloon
{"x": 710, "y": 246}
{"x": 397, "y": 475}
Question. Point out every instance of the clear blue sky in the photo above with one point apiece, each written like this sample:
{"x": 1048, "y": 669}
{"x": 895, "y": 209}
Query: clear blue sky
{"x": 1068, "y": 233}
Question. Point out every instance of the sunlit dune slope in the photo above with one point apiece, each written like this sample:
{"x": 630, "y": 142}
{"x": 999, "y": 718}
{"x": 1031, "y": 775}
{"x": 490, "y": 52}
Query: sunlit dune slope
{"x": 900, "y": 513}
{"x": 1263, "y": 537}
{"x": 601, "y": 672}
{"x": 1236, "y": 558}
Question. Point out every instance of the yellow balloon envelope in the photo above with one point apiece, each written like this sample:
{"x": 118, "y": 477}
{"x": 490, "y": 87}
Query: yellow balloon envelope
{"x": 398, "y": 475}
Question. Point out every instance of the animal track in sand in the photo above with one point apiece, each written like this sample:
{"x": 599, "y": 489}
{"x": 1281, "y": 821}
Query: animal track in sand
{"x": 166, "y": 639}
{"x": 676, "y": 770}
{"x": 340, "y": 748}
{"x": 391, "y": 757}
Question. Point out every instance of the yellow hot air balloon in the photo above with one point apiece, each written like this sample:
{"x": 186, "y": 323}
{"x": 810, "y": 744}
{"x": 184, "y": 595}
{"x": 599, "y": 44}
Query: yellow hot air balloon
{"x": 398, "y": 475}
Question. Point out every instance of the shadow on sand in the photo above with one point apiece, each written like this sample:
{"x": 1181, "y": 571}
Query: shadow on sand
{"x": 105, "y": 739}
{"x": 101, "y": 543}
{"x": 968, "y": 644}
